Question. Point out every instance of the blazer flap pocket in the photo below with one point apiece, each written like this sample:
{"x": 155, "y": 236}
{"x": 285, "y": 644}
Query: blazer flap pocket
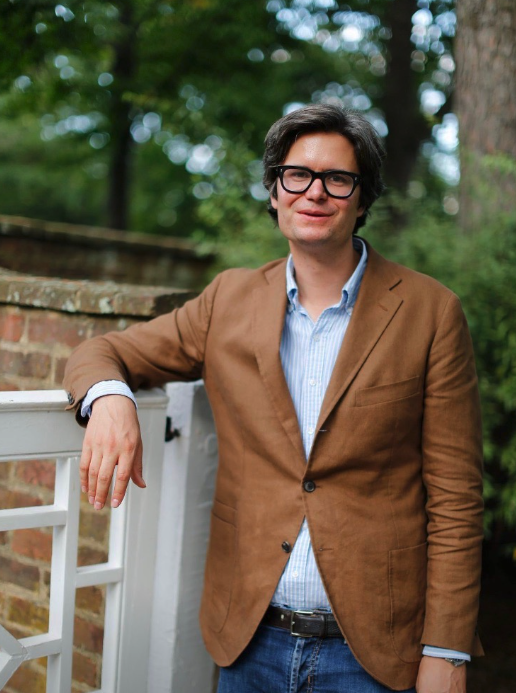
{"x": 387, "y": 393}
{"x": 224, "y": 512}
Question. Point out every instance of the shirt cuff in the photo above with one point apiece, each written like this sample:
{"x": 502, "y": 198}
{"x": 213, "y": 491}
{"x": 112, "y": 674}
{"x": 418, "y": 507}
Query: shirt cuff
{"x": 430, "y": 651}
{"x": 105, "y": 387}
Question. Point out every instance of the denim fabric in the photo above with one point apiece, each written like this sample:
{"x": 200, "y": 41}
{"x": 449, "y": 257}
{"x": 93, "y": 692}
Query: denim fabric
{"x": 277, "y": 662}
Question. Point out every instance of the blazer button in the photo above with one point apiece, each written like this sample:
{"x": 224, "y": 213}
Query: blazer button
{"x": 286, "y": 547}
{"x": 309, "y": 486}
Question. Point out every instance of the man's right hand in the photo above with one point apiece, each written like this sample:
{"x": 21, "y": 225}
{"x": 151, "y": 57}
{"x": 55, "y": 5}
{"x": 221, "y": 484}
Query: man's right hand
{"x": 112, "y": 439}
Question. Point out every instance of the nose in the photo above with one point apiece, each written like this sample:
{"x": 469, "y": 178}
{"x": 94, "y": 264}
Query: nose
{"x": 316, "y": 191}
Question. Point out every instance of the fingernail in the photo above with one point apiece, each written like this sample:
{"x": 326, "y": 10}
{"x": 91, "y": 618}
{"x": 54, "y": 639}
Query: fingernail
{"x": 98, "y": 506}
{"x": 84, "y": 489}
{"x": 91, "y": 500}
{"x": 115, "y": 503}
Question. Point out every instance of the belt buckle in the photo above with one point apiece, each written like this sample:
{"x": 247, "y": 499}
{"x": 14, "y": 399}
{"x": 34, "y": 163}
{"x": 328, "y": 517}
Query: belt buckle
{"x": 304, "y": 613}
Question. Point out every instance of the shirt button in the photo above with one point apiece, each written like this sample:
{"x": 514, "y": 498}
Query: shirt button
{"x": 311, "y": 430}
{"x": 295, "y": 574}
{"x": 309, "y": 486}
{"x": 286, "y": 547}
{"x": 313, "y": 382}
{"x": 317, "y": 338}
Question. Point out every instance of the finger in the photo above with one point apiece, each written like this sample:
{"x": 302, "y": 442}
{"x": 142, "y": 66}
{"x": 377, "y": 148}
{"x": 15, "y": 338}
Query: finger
{"x": 84, "y": 465}
{"x": 137, "y": 472}
{"x": 123, "y": 474}
{"x": 104, "y": 479}
{"x": 93, "y": 471}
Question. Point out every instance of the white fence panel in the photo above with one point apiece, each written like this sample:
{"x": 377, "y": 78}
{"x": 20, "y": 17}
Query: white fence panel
{"x": 179, "y": 662}
{"x": 35, "y": 425}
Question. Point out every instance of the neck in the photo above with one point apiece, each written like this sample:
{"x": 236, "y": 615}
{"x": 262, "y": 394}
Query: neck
{"x": 320, "y": 278}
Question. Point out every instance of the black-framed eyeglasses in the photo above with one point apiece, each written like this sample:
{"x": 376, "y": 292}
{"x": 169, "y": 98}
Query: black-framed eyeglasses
{"x": 297, "y": 180}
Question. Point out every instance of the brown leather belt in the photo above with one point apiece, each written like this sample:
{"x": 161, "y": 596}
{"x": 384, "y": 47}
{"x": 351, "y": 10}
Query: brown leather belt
{"x": 305, "y": 624}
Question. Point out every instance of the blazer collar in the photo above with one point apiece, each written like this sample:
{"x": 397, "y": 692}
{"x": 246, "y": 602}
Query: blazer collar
{"x": 375, "y": 308}
{"x": 269, "y": 307}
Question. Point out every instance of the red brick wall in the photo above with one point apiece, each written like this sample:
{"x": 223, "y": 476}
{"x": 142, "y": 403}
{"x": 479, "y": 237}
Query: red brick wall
{"x": 73, "y": 251}
{"x": 41, "y": 321}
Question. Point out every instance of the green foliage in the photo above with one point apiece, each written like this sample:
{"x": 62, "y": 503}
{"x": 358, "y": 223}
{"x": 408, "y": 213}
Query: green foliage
{"x": 234, "y": 225}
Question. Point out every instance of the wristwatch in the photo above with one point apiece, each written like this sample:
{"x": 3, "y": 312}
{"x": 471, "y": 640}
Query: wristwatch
{"x": 455, "y": 662}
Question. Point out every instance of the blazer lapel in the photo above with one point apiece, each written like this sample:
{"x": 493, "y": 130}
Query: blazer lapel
{"x": 269, "y": 306}
{"x": 375, "y": 307}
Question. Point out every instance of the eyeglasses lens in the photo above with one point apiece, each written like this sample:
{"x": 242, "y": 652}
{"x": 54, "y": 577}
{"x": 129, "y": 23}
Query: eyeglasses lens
{"x": 298, "y": 180}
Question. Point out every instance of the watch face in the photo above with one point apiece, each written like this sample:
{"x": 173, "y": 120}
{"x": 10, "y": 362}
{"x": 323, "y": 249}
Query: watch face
{"x": 455, "y": 662}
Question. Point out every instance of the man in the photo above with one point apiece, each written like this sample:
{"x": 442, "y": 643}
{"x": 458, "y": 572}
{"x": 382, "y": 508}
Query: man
{"x": 346, "y": 527}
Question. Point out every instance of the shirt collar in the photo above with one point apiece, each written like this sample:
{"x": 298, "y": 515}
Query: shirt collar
{"x": 350, "y": 288}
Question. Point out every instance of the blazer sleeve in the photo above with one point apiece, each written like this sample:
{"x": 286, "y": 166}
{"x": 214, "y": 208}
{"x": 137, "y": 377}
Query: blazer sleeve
{"x": 452, "y": 474}
{"x": 149, "y": 354}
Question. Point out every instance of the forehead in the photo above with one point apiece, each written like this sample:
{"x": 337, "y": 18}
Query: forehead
{"x": 322, "y": 151}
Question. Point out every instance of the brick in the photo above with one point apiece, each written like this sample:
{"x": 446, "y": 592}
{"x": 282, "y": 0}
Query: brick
{"x": 56, "y": 328}
{"x": 19, "y": 573}
{"x": 19, "y": 632}
{"x": 28, "y": 614}
{"x": 16, "y": 499}
{"x": 88, "y": 636}
{"x": 11, "y": 326}
{"x": 7, "y": 386}
{"x": 93, "y": 525}
{"x": 5, "y": 469}
{"x": 90, "y": 599}
{"x": 4, "y": 538}
{"x": 31, "y": 365}
{"x": 37, "y": 472}
{"x": 32, "y": 543}
{"x": 84, "y": 669}
{"x": 27, "y": 678}
{"x": 89, "y": 556}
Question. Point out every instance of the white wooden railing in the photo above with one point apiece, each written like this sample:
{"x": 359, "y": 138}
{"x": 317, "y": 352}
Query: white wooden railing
{"x": 156, "y": 547}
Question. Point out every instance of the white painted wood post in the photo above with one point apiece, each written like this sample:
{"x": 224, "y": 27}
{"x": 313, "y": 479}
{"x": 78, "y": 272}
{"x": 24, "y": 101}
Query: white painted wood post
{"x": 178, "y": 661}
{"x": 63, "y": 571}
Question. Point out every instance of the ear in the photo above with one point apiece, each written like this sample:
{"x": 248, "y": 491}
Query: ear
{"x": 274, "y": 202}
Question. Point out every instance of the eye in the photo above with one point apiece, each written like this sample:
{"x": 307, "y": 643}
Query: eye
{"x": 340, "y": 179}
{"x": 298, "y": 174}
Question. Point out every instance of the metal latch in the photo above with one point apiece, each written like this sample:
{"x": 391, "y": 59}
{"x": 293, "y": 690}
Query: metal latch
{"x": 170, "y": 432}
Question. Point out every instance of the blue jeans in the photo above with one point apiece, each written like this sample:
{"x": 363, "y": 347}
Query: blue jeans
{"x": 277, "y": 662}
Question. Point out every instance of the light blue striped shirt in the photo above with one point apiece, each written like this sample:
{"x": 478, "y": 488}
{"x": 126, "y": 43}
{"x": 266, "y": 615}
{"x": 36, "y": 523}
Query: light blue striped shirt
{"x": 308, "y": 353}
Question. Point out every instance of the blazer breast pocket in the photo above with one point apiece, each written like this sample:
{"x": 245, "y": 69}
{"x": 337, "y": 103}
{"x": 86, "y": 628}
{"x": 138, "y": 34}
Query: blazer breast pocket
{"x": 387, "y": 393}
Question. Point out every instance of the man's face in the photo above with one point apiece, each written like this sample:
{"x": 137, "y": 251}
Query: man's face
{"x": 313, "y": 219}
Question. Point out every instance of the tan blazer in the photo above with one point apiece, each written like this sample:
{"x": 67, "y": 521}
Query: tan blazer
{"x": 396, "y": 516}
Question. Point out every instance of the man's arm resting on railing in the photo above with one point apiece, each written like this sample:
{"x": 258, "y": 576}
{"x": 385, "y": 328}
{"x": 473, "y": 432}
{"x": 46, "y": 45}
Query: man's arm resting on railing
{"x": 168, "y": 348}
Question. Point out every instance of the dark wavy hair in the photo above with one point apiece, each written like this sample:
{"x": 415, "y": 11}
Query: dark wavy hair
{"x": 325, "y": 117}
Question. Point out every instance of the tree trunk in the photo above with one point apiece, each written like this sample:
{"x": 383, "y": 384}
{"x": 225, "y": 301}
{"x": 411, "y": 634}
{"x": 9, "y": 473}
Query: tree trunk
{"x": 123, "y": 70}
{"x": 486, "y": 107}
{"x": 406, "y": 124}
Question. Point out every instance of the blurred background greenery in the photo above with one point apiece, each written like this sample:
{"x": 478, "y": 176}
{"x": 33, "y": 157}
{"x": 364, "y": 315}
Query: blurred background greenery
{"x": 150, "y": 116}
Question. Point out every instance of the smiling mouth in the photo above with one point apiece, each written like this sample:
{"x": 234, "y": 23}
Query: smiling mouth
{"x": 312, "y": 213}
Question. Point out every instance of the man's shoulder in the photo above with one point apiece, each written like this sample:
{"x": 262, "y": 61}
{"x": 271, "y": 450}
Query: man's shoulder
{"x": 409, "y": 282}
